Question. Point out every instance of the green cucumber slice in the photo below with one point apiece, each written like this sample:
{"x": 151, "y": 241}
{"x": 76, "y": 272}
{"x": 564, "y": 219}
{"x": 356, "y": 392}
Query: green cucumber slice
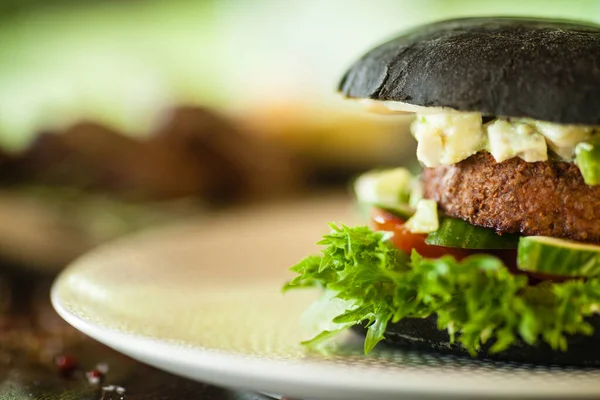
{"x": 390, "y": 190}
{"x": 559, "y": 257}
{"x": 454, "y": 232}
{"x": 385, "y": 187}
{"x": 403, "y": 211}
{"x": 587, "y": 158}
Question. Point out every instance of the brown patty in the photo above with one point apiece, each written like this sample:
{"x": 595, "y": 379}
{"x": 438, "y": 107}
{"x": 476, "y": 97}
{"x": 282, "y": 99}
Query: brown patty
{"x": 542, "y": 198}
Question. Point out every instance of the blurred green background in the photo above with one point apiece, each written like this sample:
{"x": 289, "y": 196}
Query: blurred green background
{"x": 119, "y": 115}
{"x": 123, "y": 62}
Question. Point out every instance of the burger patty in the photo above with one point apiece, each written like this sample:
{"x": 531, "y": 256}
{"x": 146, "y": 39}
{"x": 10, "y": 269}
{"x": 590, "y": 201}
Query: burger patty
{"x": 546, "y": 198}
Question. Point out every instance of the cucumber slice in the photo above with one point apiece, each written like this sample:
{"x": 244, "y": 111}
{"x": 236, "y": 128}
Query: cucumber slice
{"x": 559, "y": 257}
{"x": 455, "y": 232}
{"x": 390, "y": 190}
{"x": 386, "y": 187}
{"x": 403, "y": 211}
{"x": 587, "y": 158}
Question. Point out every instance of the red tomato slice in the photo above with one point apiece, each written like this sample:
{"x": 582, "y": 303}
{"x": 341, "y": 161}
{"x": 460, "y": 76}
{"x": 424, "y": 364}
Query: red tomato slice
{"x": 407, "y": 241}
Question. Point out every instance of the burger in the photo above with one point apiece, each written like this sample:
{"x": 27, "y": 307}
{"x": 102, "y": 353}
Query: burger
{"x": 493, "y": 251}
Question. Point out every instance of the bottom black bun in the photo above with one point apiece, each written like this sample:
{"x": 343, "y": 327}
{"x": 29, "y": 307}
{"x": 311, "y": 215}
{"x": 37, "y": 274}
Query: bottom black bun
{"x": 422, "y": 334}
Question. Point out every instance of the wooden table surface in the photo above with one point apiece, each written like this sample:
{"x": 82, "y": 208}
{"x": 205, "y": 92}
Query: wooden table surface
{"x": 33, "y": 338}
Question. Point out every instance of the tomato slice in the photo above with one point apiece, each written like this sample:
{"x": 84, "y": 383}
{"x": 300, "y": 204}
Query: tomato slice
{"x": 406, "y": 241}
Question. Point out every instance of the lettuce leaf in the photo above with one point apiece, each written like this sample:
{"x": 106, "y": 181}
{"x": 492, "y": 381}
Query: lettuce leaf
{"x": 476, "y": 300}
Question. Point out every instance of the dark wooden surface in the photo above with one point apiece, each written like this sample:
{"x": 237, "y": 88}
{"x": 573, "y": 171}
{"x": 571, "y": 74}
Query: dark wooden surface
{"x": 32, "y": 336}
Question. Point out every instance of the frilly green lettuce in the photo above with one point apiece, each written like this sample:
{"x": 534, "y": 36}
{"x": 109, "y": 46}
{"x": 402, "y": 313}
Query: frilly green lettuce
{"x": 476, "y": 300}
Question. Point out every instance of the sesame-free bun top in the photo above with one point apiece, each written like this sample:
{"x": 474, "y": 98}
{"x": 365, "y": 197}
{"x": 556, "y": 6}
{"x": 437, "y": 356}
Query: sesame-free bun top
{"x": 504, "y": 66}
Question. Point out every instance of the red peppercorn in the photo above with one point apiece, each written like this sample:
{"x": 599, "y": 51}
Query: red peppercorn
{"x": 94, "y": 376}
{"x": 66, "y": 365}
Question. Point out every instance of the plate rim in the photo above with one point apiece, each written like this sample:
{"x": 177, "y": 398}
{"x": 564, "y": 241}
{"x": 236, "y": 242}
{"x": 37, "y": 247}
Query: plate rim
{"x": 305, "y": 379}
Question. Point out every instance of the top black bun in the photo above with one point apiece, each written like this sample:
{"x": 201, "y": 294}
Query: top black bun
{"x": 514, "y": 67}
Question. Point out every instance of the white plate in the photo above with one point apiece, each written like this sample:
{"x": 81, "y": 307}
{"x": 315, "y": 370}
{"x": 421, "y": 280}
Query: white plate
{"x": 204, "y": 301}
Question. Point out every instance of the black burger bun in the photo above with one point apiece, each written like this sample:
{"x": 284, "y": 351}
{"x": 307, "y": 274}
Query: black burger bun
{"x": 422, "y": 334}
{"x": 535, "y": 68}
